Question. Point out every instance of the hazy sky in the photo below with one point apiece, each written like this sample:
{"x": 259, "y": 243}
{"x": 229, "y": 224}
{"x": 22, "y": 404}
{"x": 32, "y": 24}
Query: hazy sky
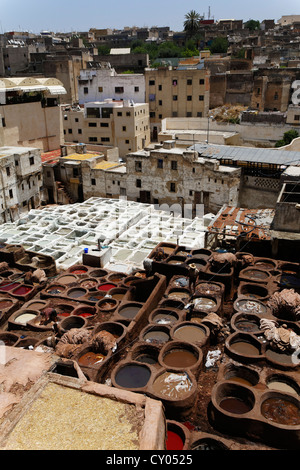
{"x": 78, "y": 15}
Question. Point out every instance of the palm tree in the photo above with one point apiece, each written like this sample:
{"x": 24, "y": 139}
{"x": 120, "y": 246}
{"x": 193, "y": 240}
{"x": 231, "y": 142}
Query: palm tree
{"x": 191, "y": 23}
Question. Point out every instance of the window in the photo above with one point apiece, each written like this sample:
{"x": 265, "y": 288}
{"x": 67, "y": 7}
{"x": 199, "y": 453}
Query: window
{"x": 276, "y": 96}
{"x": 70, "y": 131}
{"x": 189, "y": 81}
{"x": 128, "y": 113}
{"x": 297, "y": 117}
{"x": 201, "y": 81}
{"x": 173, "y": 165}
{"x": 17, "y": 162}
{"x": 138, "y": 183}
{"x": 92, "y": 124}
{"x": 93, "y": 139}
{"x": 191, "y": 192}
{"x": 76, "y": 120}
{"x": 119, "y": 89}
{"x": 105, "y": 139}
{"x": 136, "y": 89}
{"x": 122, "y": 191}
{"x": 79, "y": 131}
{"x": 104, "y": 124}
{"x": 7, "y": 171}
{"x": 3, "y": 122}
{"x": 100, "y": 89}
{"x": 174, "y": 114}
{"x": 174, "y": 81}
{"x": 151, "y": 82}
{"x": 199, "y": 114}
{"x": 138, "y": 166}
{"x": 119, "y": 113}
{"x": 124, "y": 128}
{"x": 31, "y": 160}
{"x": 75, "y": 172}
{"x": 93, "y": 182}
{"x": 126, "y": 141}
{"x": 189, "y": 98}
{"x": 85, "y": 90}
{"x": 258, "y": 91}
{"x": 160, "y": 87}
{"x": 65, "y": 118}
{"x": 188, "y": 114}
{"x": 152, "y": 114}
{"x": 11, "y": 194}
{"x": 201, "y": 97}
{"x": 160, "y": 102}
{"x": 175, "y": 97}
{"x": 160, "y": 116}
{"x": 160, "y": 163}
{"x": 173, "y": 187}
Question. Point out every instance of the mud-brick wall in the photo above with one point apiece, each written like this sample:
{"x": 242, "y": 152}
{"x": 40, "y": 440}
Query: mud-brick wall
{"x": 258, "y": 192}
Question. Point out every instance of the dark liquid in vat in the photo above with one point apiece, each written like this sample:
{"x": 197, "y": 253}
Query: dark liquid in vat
{"x": 281, "y": 411}
{"x": 235, "y": 405}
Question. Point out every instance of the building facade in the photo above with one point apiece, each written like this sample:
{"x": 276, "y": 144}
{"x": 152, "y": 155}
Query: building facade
{"x": 176, "y": 92}
{"x": 119, "y": 124}
{"x": 20, "y": 181}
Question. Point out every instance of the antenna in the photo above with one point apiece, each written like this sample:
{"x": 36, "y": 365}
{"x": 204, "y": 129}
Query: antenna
{"x": 209, "y": 13}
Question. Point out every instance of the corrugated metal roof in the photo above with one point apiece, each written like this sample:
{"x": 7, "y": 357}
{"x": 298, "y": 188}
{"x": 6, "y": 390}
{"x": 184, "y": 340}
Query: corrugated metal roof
{"x": 248, "y": 154}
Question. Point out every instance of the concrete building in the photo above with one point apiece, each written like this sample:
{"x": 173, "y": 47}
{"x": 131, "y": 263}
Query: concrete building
{"x": 171, "y": 175}
{"x": 119, "y": 124}
{"x": 105, "y": 83}
{"x": 176, "y": 92}
{"x": 20, "y": 181}
{"x": 30, "y": 113}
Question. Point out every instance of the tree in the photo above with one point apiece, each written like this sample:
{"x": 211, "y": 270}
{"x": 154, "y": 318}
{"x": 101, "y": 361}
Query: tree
{"x": 219, "y": 45}
{"x": 192, "y": 22}
{"x": 252, "y": 25}
{"x": 287, "y": 138}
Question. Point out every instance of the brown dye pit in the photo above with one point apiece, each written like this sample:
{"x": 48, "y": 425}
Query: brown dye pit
{"x": 256, "y": 274}
{"x": 178, "y": 295}
{"x": 281, "y": 411}
{"x": 91, "y": 358}
{"x": 173, "y": 385}
{"x": 180, "y": 358}
{"x": 247, "y": 325}
{"x": 251, "y": 306}
{"x": 165, "y": 318}
{"x": 245, "y": 348}
{"x": 156, "y": 336}
{"x": 89, "y": 284}
{"x": 235, "y": 405}
{"x": 75, "y": 293}
{"x": 5, "y": 304}
{"x": 190, "y": 333}
{"x": 280, "y": 358}
{"x": 240, "y": 380}
{"x": 204, "y": 303}
{"x": 129, "y": 312}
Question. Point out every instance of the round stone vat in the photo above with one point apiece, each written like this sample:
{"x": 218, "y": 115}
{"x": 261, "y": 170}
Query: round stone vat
{"x": 155, "y": 334}
{"x": 127, "y": 281}
{"x": 176, "y": 389}
{"x": 132, "y": 376}
{"x": 79, "y": 270}
{"x": 208, "y": 443}
{"x": 76, "y": 292}
{"x": 22, "y": 291}
{"x": 246, "y": 305}
{"x": 233, "y": 399}
{"x": 116, "y": 329}
{"x": 8, "y": 339}
{"x": 253, "y": 291}
{"x": 85, "y": 311}
{"x": 106, "y": 286}
{"x": 88, "y": 357}
{"x": 246, "y": 323}
{"x": 146, "y": 354}
{"x": 116, "y": 278}
{"x": 64, "y": 310}
{"x": 179, "y": 355}
{"x": 255, "y": 274}
{"x": 95, "y": 296}
{"x": 98, "y": 273}
{"x": 182, "y": 295}
{"x": 205, "y": 303}
{"x": 163, "y": 316}
{"x": 89, "y": 283}
{"x": 243, "y": 347}
{"x": 107, "y": 304}
{"x": 176, "y": 260}
{"x": 241, "y": 375}
{"x": 129, "y": 310}
{"x": 283, "y": 383}
{"x": 209, "y": 288}
{"x": 190, "y": 332}
{"x": 180, "y": 281}
{"x": 5, "y": 303}
{"x": 177, "y": 436}
{"x": 282, "y": 359}
{"x": 73, "y": 321}
{"x": 37, "y": 304}
{"x": 7, "y": 286}
{"x": 56, "y": 289}
{"x": 265, "y": 263}
{"x": 281, "y": 409}
{"x": 67, "y": 279}
{"x": 22, "y": 317}
{"x": 199, "y": 262}
{"x": 117, "y": 293}
{"x": 201, "y": 252}
{"x": 172, "y": 303}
